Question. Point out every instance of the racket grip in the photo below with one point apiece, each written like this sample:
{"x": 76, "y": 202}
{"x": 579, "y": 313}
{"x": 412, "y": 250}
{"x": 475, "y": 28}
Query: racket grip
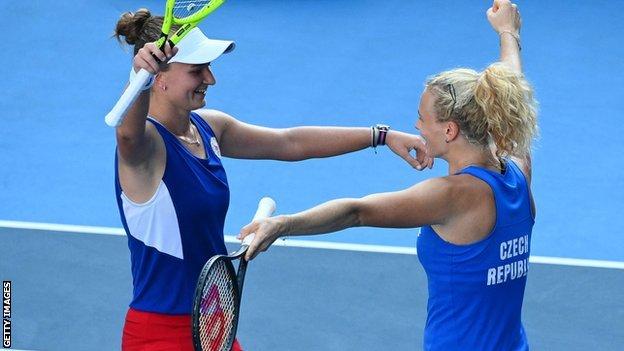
{"x": 248, "y": 239}
{"x": 117, "y": 114}
{"x": 266, "y": 207}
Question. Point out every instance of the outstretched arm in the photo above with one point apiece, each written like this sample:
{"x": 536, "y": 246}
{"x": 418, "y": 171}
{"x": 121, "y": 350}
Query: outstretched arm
{"x": 504, "y": 17}
{"x": 241, "y": 140}
{"x": 422, "y": 204}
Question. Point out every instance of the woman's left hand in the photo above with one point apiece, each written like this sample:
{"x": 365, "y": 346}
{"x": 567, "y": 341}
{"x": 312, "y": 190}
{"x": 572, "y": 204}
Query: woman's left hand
{"x": 402, "y": 144}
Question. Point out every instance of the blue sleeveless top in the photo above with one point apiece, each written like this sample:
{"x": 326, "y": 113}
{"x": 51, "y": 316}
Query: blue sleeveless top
{"x": 476, "y": 290}
{"x": 174, "y": 233}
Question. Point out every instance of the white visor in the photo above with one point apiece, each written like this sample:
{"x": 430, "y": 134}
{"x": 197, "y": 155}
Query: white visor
{"x": 195, "y": 48}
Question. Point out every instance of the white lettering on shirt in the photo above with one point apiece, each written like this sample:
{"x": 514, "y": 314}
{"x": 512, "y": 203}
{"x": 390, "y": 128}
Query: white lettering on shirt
{"x": 514, "y": 270}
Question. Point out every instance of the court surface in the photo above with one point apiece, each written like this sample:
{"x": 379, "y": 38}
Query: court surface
{"x": 343, "y": 63}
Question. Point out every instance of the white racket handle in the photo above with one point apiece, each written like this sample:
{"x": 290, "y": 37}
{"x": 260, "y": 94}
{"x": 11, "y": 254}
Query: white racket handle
{"x": 266, "y": 207}
{"x": 117, "y": 114}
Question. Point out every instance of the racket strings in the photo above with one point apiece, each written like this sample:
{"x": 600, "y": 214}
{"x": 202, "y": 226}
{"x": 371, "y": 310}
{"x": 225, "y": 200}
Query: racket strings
{"x": 187, "y": 8}
{"x": 217, "y": 311}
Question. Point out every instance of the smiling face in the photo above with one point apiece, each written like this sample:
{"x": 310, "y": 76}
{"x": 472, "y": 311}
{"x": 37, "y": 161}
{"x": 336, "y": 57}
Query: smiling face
{"x": 186, "y": 85}
{"x": 432, "y": 130}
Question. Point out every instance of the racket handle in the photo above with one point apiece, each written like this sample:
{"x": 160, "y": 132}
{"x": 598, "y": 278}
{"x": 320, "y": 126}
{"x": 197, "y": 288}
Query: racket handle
{"x": 117, "y": 114}
{"x": 266, "y": 207}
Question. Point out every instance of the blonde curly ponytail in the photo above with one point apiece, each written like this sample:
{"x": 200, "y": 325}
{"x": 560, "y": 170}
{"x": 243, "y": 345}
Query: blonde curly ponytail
{"x": 506, "y": 99}
{"x": 494, "y": 106}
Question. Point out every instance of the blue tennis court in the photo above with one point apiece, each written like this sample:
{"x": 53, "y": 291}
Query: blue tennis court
{"x": 342, "y": 63}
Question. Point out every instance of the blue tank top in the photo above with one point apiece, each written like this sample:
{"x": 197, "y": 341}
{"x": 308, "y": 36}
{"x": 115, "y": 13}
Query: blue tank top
{"x": 174, "y": 233}
{"x": 476, "y": 290}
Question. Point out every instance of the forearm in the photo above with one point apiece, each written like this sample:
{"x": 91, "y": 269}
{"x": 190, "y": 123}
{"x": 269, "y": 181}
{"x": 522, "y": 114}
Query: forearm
{"x": 329, "y": 217}
{"x": 510, "y": 51}
{"x": 147, "y": 58}
{"x": 133, "y": 126}
{"x": 316, "y": 142}
{"x": 133, "y": 143}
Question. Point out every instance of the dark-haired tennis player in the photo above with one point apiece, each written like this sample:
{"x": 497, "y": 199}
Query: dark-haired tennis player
{"x": 172, "y": 190}
{"x": 476, "y": 222}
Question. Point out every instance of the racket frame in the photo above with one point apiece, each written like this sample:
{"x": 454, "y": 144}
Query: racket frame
{"x": 266, "y": 207}
{"x": 238, "y": 276}
{"x": 167, "y": 22}
{"x": 190, "y": 22}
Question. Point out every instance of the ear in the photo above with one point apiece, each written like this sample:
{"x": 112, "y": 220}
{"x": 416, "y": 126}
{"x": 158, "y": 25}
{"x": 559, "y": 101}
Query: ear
{"x": 160, "y": 80}
{"x": 451, "y": 131}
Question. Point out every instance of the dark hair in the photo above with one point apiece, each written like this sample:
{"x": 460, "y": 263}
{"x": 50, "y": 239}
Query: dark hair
{"x": 138, "y": 28}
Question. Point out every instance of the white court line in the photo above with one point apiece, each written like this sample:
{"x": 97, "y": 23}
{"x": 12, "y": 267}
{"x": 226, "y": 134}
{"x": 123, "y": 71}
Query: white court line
{"x": 562, "y": 261}
{"x": 66, "y": 228}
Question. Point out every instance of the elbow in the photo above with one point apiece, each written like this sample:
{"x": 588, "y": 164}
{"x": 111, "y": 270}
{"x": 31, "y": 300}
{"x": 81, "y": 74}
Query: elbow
{"x": 285, "y": 148}
{"x": 293, "y": 149}
{"x": 357, "y": 213}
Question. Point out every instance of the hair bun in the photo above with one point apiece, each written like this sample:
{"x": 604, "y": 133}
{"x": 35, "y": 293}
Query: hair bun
{"x": 130, "y": 25}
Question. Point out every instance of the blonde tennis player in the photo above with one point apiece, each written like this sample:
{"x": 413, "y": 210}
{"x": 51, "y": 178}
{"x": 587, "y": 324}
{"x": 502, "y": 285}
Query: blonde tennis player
{"x": 476, "y": 222}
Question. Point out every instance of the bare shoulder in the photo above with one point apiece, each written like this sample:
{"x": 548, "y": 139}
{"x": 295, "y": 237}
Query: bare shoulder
{"x": 467, "y": 191}
{"x": 525, "y": 165}
{"x": 473, "y": 199}
{"x": 433, "y": 190}
{"x": 443, "y": 186}
{"x": 472, "y": 210}
{"x": 207, "y": 113}
{"x": 440, "y": 192}
{"x": 218, "y": 120}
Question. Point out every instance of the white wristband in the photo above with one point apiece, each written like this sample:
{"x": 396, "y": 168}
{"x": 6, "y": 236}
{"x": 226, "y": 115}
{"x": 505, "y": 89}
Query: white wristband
{"x": 147, "y": 85}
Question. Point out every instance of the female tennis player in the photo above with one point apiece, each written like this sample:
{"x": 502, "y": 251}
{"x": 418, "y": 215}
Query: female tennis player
{"x": 172, "y": 190}
{"x": 477, "y": 221}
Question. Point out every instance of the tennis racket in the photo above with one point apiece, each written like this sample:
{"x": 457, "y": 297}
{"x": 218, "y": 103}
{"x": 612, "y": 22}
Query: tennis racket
{"x": 216, "y": 305}
{"x": 185, "y": 13}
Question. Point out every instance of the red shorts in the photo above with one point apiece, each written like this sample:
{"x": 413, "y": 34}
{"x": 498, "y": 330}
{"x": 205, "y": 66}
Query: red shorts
{"x": 147, "y": 331}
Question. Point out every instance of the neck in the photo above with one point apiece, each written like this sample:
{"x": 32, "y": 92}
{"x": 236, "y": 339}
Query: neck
{"x": 176, "y": 120}
{"x": 459, "y": 158}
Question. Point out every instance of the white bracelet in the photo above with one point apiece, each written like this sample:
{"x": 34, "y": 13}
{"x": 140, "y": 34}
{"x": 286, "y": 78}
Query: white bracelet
{"x": 373, "y": 137}
{"x": 378, "y": 135}
{"x": 514, "y": 35}
{"x": 147, "y": 85}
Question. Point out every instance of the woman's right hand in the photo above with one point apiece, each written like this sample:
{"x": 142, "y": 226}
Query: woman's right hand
{"x": 145, "y": 57}
{"x": 504, "y": 16}
{"x": 265, "y": 231}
